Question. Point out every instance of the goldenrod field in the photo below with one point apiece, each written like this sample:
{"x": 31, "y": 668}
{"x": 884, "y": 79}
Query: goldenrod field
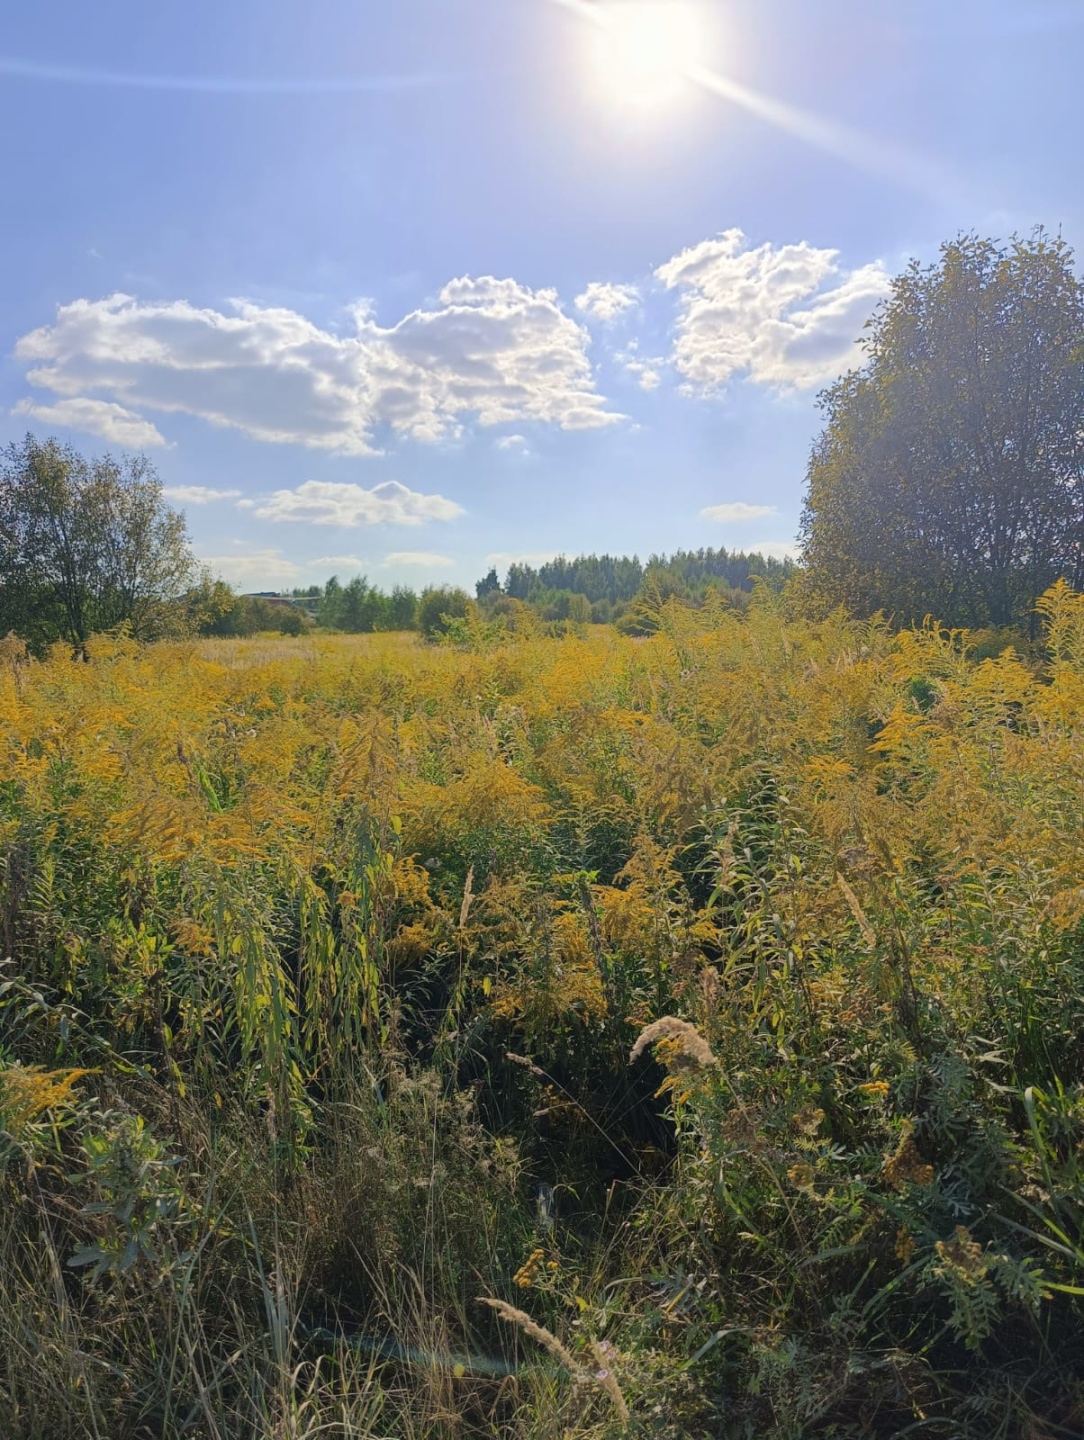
{"x": 323, "y": 956}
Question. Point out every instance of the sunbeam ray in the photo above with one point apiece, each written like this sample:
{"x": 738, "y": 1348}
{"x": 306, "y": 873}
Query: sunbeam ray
{"x": 19, "y": 69}
{"x": 895, "y": 162}
{"x": 866, "y": 152}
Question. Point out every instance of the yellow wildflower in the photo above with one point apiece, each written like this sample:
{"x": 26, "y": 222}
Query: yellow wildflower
{"x": 527, "y": 1273}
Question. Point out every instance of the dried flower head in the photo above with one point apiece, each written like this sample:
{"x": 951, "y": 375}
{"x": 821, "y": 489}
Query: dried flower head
{"x": 858, "y": 860}
{"x": 809, "y": 1120}
{"x": 905, "y": 1165}
{"x": 802, "y": 1176}
{"x": 962, "y": 1254}
{"x": 710, "y": 985}
{"x": 13, "y": 651}
{"x": 686, "y": 1048}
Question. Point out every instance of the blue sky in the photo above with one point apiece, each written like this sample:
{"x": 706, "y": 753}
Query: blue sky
{"x": 414, "y": 288}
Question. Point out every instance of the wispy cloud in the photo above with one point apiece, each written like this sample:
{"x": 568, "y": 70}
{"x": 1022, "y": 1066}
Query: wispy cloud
{"x": 646, "y": 372}
{"x": 262, "y": 569}
{"x": 219, "y": 84}
{"x": 423, "y": 559}
{"x": 197, "y": 494}
{"x": 500, "y": 560}
{"x": 336, "y": 562}
{"x": 735, "y": 511}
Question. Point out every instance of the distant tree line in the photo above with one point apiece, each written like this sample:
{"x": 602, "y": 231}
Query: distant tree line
{"x": 354, "y": 608}
{"x": 604, "y": 588}
{"x": 612, "y": 586}
{"x": 598, "y": 577}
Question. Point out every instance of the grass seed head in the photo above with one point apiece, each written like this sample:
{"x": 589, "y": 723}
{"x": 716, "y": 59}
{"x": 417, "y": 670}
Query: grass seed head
{"x": 686, "y": 1049}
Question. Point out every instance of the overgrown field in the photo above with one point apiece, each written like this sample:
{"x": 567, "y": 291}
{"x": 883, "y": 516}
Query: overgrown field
{"x": 325, "y": 960}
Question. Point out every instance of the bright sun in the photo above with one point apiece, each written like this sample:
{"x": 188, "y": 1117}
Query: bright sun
{"x": 644, "y": 48}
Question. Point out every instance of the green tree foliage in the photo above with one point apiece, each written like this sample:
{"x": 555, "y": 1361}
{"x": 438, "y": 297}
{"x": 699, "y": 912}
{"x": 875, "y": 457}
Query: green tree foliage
{"x": 218, "y": 610}
{"x": 599, "y": 577}
{"x": 401, "y": 610}
{"x": 438, "y": 606}
{"x": 210, "y": 605}
{"x": 328, "y": 611}
{"x": 359, "y": 608}
{"x": 86, "y": 545}
{"x": 612, "y": 583}
{"x": 694, "y": 572}
{"x": 948, "y": 476}
{"x": 579, "y": 610}
{"x": 488, "y": 585}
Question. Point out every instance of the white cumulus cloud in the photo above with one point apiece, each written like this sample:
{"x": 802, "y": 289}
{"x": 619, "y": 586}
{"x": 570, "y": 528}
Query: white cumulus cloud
{"x": 492, "y": 350}
{"x": 605, "y": 301}
{"x": 422, "y": 558}
{"x": 512, "y": 442}
{"x": 735, "y": 511}
{"x": 782, "y": 315}
{"x": 322, "y": 502}
{"x": 197, "y": 494}
{"x": 94, "y": 417}
{"x": 647, "y": 376}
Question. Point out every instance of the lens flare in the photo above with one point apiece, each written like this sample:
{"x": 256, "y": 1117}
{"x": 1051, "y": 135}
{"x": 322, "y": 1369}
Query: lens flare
{"x": 644, "y": 49}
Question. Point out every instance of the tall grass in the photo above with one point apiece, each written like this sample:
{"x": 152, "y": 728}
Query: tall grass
{"x": 324, "y": 961}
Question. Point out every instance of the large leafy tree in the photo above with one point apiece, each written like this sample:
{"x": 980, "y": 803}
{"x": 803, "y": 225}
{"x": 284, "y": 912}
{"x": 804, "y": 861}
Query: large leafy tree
{"x": 86, "y": 545}
{"x": 948, "y": 477}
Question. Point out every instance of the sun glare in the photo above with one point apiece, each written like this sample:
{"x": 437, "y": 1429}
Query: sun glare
{"x": 645, "y": 48}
